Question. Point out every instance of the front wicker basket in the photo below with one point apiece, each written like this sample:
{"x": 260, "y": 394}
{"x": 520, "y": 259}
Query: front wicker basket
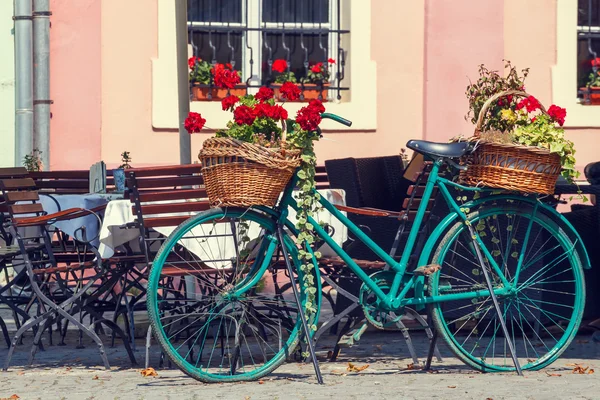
{"x": 525, "y": 169}
{"x": 244, "y": 174}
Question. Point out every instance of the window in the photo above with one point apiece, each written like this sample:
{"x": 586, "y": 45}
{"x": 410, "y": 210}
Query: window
{"x": 252, "y": 34}
{"x": 588, "y": 40}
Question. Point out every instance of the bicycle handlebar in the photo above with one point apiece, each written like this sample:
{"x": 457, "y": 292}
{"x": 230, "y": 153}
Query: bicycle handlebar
{"x": 336, "y": 118}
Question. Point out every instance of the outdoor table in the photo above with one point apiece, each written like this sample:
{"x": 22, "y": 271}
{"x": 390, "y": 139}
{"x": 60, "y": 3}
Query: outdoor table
{"x": 58, "y": 202}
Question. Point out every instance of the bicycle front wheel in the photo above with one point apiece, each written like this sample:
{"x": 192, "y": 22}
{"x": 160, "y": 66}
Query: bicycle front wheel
{"x": 220, "y": 299}
{"x": 542, "y": 311}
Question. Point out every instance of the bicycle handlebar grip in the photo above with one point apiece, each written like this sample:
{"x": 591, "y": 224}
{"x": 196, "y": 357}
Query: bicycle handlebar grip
{"x": 337, "y": 118}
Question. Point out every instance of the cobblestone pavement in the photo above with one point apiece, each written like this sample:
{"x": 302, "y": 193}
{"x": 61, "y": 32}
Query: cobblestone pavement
{"x": 65, "y": 372}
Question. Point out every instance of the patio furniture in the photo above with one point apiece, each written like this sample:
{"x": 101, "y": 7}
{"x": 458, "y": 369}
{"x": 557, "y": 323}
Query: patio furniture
{"x": 67, "y": 280}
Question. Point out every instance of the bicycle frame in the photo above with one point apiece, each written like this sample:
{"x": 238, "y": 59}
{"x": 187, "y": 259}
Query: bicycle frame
{"x": 396, "y": 296}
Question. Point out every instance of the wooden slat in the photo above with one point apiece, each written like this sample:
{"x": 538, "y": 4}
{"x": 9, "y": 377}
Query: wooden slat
{"x": 419, "y": 191}
{"x": 66, "y": 174}
{"x": 21, "y": 183}
{"x": 423, "y": 179}
{"x": 173, "y": 195}
{"x": 26, "y": 208}
{"x": 171, "y": 182}
{"x": 188, "y": 206}
{"x": 173, "y": 170}
{"x": 22, "y": 196}
{"x": 12, "y": 172}
{"x": 374, "y": 212}
{"x": 415, "y": 203}
{"x": 164, "y": 221}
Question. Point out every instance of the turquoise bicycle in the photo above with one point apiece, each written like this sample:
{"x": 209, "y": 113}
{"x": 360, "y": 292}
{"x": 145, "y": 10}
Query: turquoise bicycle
{"x": 501, "y": 275}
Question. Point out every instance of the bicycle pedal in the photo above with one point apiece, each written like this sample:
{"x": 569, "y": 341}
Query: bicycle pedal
{"x": 350, "y": 338}
{"x": 426, "y": 270}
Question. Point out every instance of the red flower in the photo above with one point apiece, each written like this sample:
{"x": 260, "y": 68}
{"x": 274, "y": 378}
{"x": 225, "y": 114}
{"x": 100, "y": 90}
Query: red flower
{"x": 308, "y": 118}
{"x": 317, "y": 105}
{"x": 290, "y": 91}
{"x": 229, "y": 66}
{"x": 596, "y": 62}
{"x": 192, "y": 61}
{"x": 530, "y": 103}
{"x": 317, "y": 67}
{"x": 194, "y": 122}
{"x": 244, "y": 115}
{"x": 264, "y": 94}
{"x": 225, "y": 78}
{"x": 280, "y": 65}
{"x": 331, "y": 61}
{"x": 228, "y": 102}
{"x": 262, "y": 110}
{"x": 557, "y": 114}
{"x": 277, "y": 112}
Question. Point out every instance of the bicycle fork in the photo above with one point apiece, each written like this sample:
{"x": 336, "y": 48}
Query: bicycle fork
{"x": 495, "y": 301}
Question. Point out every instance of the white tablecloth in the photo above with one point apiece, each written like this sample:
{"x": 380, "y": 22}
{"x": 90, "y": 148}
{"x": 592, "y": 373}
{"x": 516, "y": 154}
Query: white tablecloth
{"x": 118, "y": 214}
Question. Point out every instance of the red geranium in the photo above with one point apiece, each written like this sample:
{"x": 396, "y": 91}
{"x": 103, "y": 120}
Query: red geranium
{"x": 228, "y": 102}
{"x": 224, "y": 76}
{"x": 331, "y": 61}
{"x": 596, "y": 62}
{"x": 530, "y": 103}
{"x": 317, "y": 67}
{"x": 290, "y": 91}
{"x": 280, "y": 65}
{"x": 557, "y": 114}
{"x": 262, "y": 110}
{"x": 244, "y": 115}
{"x": 194, "y": 122}
{"x": 192, "y": 61}
{"x": 277, "y": 112}
{"x": 264, "y": 94}
{"x": 317, "y": 105}
{"x": 308, "y": 118}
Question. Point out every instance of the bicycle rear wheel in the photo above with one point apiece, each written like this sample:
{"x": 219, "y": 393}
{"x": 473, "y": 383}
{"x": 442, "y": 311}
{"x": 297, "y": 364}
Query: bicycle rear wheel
{"x": 217, "y": 310}
{"x": 542, "y": 313}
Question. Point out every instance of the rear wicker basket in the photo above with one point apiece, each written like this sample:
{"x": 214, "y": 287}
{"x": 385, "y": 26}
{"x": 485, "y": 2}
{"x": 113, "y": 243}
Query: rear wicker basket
{"x": 244, "y": 174}
{"x": 525, "y": 169}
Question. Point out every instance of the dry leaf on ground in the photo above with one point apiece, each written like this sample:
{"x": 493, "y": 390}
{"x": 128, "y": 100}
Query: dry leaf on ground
{"x": 552, "y": 374}
{"x": 261, "y": 382}
{"x": 148, "y": 372}
{"x": 95, "y": 378}
{"x": 13, "y": 397}
{"x": 354, "y": 368}
{"x": 578, "y": 369}
{"x": 452, "y": 387}
{"x": 412, "y": 366}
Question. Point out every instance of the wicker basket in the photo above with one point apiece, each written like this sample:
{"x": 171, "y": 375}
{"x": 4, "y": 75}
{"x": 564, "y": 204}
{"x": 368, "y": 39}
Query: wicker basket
{"x": 521, "y": 168}
{"x": 244, "y": 174}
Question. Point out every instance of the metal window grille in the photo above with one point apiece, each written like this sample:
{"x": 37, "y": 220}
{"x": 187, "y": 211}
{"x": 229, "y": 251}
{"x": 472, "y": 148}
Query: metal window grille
{"x": 588, "y": 40}
{"x": 252, "y": 34}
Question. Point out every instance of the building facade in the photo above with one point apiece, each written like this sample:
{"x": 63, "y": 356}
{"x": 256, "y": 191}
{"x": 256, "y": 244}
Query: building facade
{"x": 406, "y": 65}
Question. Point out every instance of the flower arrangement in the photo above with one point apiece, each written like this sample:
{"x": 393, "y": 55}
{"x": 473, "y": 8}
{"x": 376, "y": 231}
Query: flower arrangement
{"x": 259, "y": 120}
{"x": 515, "y": 120}
{"x": 223, "y": 75}
{"x": 33, "y": 161}
{"x": 125, "y": 160}
{"x": 318, "y": 73}
{"x": 282, "y": 73}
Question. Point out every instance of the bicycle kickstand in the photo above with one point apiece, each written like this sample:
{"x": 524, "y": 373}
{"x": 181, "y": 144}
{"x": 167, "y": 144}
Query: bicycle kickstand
{"x": 305, "y": 327}
{"x": 486, "y": 274}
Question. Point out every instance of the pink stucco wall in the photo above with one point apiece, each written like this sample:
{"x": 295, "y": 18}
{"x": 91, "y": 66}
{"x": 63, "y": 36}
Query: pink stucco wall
{"x": 75, "y": 84}
{"x": 425, "y": 51}
{"x": 459, "y": 36}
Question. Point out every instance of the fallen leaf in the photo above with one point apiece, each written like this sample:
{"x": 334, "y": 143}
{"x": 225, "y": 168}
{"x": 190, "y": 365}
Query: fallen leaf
{"x": 148, "y": 372}
{"x": 21, "y": 373}
{"x": 579, "y": 370}
{"x": 261, "y": 382}
{"x": 353, "y": 368}
{"x": 452, "y": 387}
{"x": 14, "y": 397}
{"x": 95, "y": 378}
{"x": 591, "y": 371}
{"x": 552, "y": 374}
{"x": 339, "y": 372}
{"x": 69, "y": 368}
